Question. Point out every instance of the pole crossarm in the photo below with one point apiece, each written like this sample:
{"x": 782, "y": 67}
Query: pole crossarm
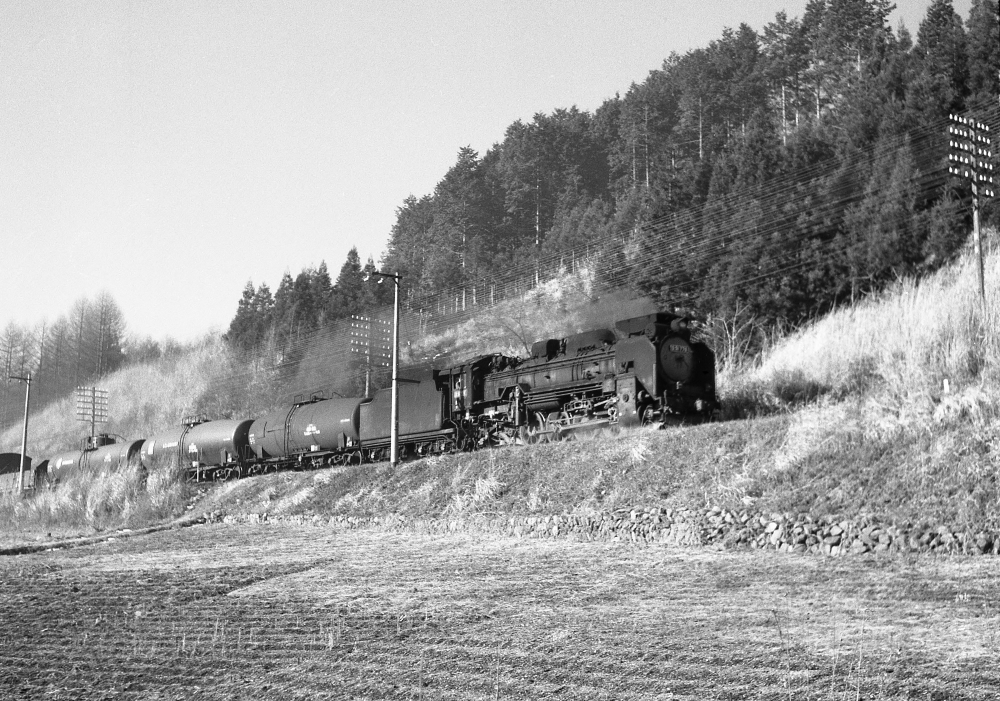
{"x": 970, "y": 153}
{"x": 970, "y": 156}
{"x": 370, "y": 339}
{"x": 92, "y": 406}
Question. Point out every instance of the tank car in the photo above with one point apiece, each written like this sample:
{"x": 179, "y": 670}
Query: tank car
{"x": 307, "y": 434}
{"x": 208, "y": 450}
{"x": 164, "y": 448}
{"x": 101, "y": 451}
{"x": 217, "y": 449}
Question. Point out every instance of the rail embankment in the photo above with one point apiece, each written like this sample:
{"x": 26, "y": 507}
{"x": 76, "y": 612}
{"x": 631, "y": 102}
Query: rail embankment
{"x": 875, "y": 428}
{"x": 824, "y": 479}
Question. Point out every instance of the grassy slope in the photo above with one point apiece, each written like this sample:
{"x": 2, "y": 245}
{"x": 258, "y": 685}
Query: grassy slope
{"x": 853, "y": 419}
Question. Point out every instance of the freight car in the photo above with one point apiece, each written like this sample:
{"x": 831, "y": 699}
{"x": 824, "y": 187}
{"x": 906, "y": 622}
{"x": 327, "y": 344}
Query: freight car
{"x": 10, "y": 473}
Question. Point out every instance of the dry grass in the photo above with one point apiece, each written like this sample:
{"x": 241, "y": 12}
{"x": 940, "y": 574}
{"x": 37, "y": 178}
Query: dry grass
{"x": 893, "y": 405}
{"x": 95, "y": 499}
{"x": 919, "y": 343}
{"x": 277, "y": 612}
{"x": 825, "y": 460}
{"x": 143, "y": 400}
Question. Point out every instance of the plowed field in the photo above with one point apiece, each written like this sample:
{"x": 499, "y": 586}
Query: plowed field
{"x": 281, "y": 612}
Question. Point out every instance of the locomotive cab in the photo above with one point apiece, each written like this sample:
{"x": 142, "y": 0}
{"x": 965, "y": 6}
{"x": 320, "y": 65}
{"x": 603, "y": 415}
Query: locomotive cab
{"x": 465, "y": 386}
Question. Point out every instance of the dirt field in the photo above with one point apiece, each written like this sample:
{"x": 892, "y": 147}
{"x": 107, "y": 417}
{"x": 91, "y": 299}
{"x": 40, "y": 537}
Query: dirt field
{"x": 280, "y": 612}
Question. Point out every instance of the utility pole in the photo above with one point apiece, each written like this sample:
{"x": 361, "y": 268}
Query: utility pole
{"x": 969, "y": 157}
{"x": 394, "y": 434}
{"x": 24, "y": 434}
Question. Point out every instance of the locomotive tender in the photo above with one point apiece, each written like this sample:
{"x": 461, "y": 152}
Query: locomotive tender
{"x": 651, "y": 373}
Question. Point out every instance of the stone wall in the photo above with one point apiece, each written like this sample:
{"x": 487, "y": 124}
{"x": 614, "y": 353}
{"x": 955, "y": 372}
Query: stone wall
{"x": 712, "y": 527}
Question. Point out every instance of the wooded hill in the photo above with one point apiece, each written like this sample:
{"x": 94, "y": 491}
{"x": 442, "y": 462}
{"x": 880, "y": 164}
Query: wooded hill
{"x": 771, "y": 174}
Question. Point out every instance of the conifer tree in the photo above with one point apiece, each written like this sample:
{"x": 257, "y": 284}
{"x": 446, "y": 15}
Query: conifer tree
{"x": 983, "y": 43}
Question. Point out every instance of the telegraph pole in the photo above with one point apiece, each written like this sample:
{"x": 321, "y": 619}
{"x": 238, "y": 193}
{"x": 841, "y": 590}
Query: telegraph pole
{"x": 969, "y": 157}
{"x": 394, "y": 434}
{"x": 24, "y": 433}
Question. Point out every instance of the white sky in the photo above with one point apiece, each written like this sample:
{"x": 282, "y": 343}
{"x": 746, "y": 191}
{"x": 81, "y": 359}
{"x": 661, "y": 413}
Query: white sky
{"x": 167, "y": 152}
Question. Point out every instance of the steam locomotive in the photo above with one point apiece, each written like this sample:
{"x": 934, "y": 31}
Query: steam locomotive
{"x": 651, "y": 372}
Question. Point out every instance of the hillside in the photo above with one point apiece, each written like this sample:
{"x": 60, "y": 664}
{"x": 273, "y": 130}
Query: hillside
{"x": 884, "y": 412}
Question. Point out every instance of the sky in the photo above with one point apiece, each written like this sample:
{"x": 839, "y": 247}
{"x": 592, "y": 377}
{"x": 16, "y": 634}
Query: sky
{"x": 168, "y": 152}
